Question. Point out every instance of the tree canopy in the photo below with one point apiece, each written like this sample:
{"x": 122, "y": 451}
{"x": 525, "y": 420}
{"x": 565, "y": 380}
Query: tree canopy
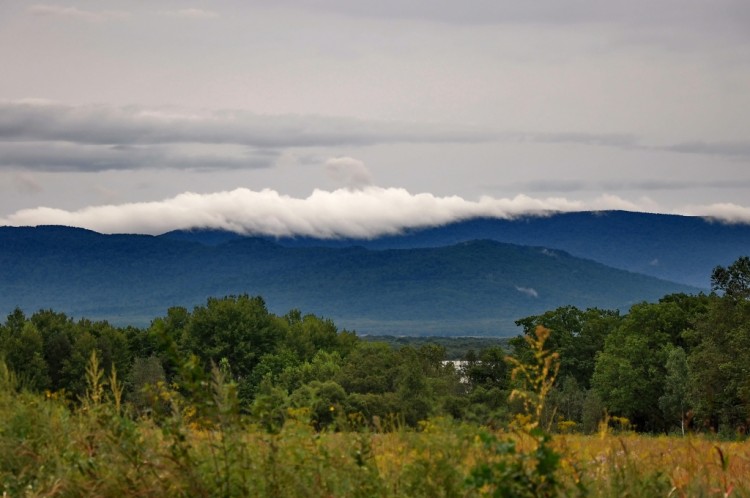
{"x": 677, "y": 364}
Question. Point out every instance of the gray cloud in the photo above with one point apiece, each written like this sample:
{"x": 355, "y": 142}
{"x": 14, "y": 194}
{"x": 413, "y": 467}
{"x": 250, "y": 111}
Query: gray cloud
{"x": 348, "y": 171}
{"x": 193, "y": 13}
{"x": 631, "y": 142}
{"x": 731, "y": 13}
{"x": 26, "y": 183}
{"x": 727, "y": 149}
{"x": 41, "y": 135}
{"x": 35, "y": 120}
{"x": 649, "y": 185}
{"x": 739, "y": 150}
{"x": 46, "y": 136}
{"x": 623, "y": 141}
{"x": 552, "y": 186}
{"x": 76, "y": 13}
{"x": 564, "y": 185}
{"x": 644, "y": 99}
{"x": 64, "y": 156}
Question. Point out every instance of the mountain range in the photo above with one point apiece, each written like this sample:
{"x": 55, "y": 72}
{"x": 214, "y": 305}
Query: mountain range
{"x": 474, "y": 277}
{"x": 682, "y": 249}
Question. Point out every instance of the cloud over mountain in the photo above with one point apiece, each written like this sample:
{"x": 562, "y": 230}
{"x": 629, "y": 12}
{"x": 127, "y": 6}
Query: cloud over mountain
{"x": 367, "y": 212}
{"x": 360, "y": 213}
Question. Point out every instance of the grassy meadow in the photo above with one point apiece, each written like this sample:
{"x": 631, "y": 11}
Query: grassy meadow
{"x": 97, "y": 447}
{"x": 48, "y": 450}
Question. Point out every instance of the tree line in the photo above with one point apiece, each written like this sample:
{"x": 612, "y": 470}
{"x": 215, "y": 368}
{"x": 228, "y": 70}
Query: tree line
{"x": 675, "y": 365}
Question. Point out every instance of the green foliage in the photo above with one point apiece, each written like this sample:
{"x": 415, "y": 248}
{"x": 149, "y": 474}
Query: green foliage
{"x": 674, "y": 401}
{"x": 370, "y": 368}
{"x": 267, "y": 406}
{"x": 94, "y": 394}
{"x": 592, "y": 412}
{"x": 577, "y": 336}
{"x": 415, "y": 394}
{"x": 456, "y": 348}
{"x": 534, "y": 378}
{"x": 48, "y": 448}
{"x": 488, "y": 370}
{"x": 307, "y": 335}
{"x": 25, "y": 355}
{"x": 514, "y": 473}
{"x": 718, "y": 366}
{"x": 567, "y": 401}
{"x": 146, "y": 375}
{"x": 734, "y": 280}
{"x": 680, "y": 362}
{"x": 271, "y": 366}
{"x": 238, "y": 328}
{"x": 631, "y": 370}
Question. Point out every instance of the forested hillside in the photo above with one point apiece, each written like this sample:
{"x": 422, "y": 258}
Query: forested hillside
{"x": 472, "y": 288}
{"x": 682, "y": 249}
{"x": 677, "y": 364}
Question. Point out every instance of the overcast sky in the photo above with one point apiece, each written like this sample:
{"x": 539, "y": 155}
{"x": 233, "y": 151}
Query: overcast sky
{"x": 348, "y": 117}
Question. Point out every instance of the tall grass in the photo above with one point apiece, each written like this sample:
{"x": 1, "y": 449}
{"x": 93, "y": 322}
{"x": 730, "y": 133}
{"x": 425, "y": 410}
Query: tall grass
{"x": 99, "y": 448}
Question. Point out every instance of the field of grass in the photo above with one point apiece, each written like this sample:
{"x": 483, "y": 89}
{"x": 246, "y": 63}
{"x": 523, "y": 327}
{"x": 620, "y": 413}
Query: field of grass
{"x": 203, "y": 446}
{"x": 48, "y": 448}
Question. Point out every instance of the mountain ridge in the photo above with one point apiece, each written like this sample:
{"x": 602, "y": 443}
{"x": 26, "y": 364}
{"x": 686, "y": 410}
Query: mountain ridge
{"x": 683, "y": 249}
{"x": 474, "y": 287}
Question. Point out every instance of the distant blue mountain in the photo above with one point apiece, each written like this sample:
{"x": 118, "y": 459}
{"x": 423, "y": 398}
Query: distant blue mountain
{"x": 682, "y": 249}
{"x": 474, "y": 287}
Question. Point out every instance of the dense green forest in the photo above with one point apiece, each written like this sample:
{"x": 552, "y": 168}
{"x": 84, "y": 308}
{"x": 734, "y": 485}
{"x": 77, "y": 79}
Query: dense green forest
{"x": 674, "y": 365}
{"x": 455, "y": 347}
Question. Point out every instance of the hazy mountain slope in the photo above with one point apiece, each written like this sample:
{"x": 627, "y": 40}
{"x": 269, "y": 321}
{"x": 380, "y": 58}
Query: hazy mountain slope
{"x": 678, "y": 248}
{"x": 478, "y": 287}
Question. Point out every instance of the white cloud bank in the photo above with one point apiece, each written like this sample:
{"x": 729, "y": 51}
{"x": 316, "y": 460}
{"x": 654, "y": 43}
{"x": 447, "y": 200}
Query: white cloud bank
{"x": 726, "y": 212}
{"x": 364, "y": 213}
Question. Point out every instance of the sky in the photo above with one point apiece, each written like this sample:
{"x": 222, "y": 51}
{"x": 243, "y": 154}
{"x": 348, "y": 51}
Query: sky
{"x": 358, "y": 118}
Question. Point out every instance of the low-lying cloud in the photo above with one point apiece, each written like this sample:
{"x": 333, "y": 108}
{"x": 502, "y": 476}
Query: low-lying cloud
{"x": 366, "y": 212}
{"x": 361, "y": 213}
{"x": 725, "y": 212}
